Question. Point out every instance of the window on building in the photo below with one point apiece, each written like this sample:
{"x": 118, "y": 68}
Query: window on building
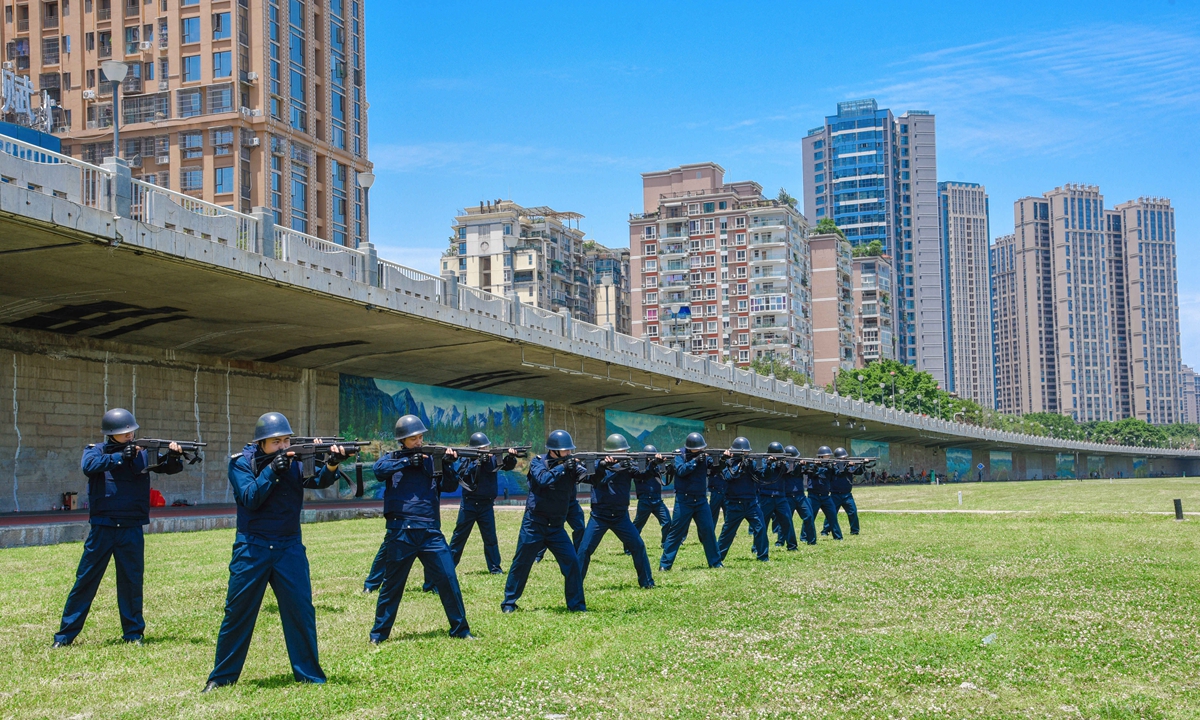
{"x": 191, "y": 179}
{"x": 191, "y": 68}
{"x": 189, "y": 30}
{"x": 191, "y": 144}
{"x": 222, "y": 30}
{"x": 223, "y": 180}
{"x": 222, "y": 141}
{"x": 222, "y": 64}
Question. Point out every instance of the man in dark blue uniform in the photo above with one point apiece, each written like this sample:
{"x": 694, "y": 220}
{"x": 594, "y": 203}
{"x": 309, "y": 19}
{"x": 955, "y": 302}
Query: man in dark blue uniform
{"x": 741, "y": 503}
{"x": 649, "y": 487}
{"x": 793, "y": 484}
{"x": 820, "y": 477}
{"x": 118, "y": 474}
{"x": 772, "y": 493}
{"x": 479, "y": 478}
{"x": 841, "y": 488}
{"x": 413, "y": 485}
{"x": 268, "y": 484}
{"x": 610, "y": 511}
{"x": 552, "y": 478}
{"x": 692, "y": 466}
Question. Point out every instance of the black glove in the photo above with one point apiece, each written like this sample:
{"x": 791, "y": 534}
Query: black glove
{"x": 129, "y": 453}
{"x": 281, "y": 463}
{"x": 335, "y": 459}
{"x": 172, "y": 453}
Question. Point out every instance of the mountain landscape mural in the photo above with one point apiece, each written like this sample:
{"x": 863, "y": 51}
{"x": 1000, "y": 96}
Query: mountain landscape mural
{"x": 665, "y": 433}
{"x": 368, "y": 409}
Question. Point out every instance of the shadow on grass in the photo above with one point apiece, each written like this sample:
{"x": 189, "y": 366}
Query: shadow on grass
{"x": 399, "y": 637}
{"x": 173, "y": 639}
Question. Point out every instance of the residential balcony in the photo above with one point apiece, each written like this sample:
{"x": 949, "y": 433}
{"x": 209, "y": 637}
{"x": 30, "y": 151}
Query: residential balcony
{"x": 768, "y": 258}
{"x": 773, "y": 290}
{"x": 777, "y": 238}
{"x": 672, "y": 250}
{"x": 23, "y": 25}
{"x": 775, "y": 342}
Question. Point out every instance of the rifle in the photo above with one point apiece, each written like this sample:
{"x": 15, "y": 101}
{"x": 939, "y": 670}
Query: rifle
{"x": 307, "y": 450}
{"x": 190, "y": 449}
{"x": 851, "y": 461}
{"x": 633, "y": 461}
{"x": 438, "y": 452}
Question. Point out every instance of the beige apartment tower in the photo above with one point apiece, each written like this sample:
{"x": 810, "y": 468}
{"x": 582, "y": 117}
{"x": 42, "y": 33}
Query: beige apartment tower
{"x": 872, "y": 278}
{"x": 964, "y": 222}
{"x": 832, "y": 307}
{"x": 719, "y": 270}
{"x": 254, "y": 103}
{"x": 535, "y": 254}
{"x": 1087, "y": 310}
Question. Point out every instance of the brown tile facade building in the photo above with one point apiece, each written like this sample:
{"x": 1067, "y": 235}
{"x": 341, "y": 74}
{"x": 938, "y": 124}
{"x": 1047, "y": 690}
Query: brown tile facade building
{"x": 242, "y": 103}
{"x": 1087, "y": 309}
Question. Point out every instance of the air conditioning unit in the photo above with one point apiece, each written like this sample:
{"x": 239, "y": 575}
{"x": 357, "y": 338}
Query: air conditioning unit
{"x": 251, "y": 142}
{"x": 135, "y": 161}
{"x": 256, "y": 113}
{"x": 252, "y": 76}
{"x": 145, "y": 45}
{"x": 93, "y": 125}
{"x": 246, "y": 111}
{"x": 8, "y": 65}
{"x": 163, "y": 159}
{"x": 89, "y": 94}
{"x": 164, "y": 85}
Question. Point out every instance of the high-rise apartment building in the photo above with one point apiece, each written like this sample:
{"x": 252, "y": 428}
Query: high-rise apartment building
{"x": 1152, "y": 292}
{"x": 872, "y": 278}
{"x": 875, "y": 175}
{"x": 832, "y": 307}
{"x": 1189, "y": 412}
{"x": 1070, "y": 287}
{"x": 717, "y": 269}
{"x": 967, "y": 293}
{"x": 608, "y": 269}
{"x": 535, "y": 254}
{"x": 257, "y": 103}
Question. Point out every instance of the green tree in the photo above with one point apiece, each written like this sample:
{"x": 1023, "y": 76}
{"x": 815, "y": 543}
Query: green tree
{"x": 871, "y": 249}
{"x": 772, "y": 365}
{"x": 828, "y": 227}
{"x": 786, "y": 198}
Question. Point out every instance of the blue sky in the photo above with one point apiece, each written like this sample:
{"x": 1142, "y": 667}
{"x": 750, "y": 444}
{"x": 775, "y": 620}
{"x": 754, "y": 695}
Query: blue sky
{"x": 565, "y": 104}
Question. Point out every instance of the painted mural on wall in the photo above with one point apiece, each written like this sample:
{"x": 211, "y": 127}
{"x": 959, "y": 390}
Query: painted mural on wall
{"x": 958, "y": 464}
{"x": 873, "y": 448}
{"x": 1095, "y": 466}
{"x": 1001, "y": 464}
{"x": 665, "y": 433}
{"x": 369, "y": 407}
{"x": 1064, "y": 465}
{"x": 1141, "y": 467}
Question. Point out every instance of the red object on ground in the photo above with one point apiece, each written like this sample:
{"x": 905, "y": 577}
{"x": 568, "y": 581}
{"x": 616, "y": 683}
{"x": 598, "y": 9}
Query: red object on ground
{"x": 157, "y": 499}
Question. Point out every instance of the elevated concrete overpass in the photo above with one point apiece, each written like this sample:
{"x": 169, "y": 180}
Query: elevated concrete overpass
{"x": 96, "y": 265}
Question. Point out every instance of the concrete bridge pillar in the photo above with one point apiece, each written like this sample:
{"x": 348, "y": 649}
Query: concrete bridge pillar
{"x": 265, "y": 217}
{"x": 121, "y": 190}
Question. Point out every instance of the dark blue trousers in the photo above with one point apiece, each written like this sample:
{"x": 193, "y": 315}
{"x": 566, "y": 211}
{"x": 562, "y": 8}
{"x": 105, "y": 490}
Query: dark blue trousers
{"x": 716, "y": 503}
{"x": 375, "y": 574}
{"x": 735, "y": 512}
{"x": 577, "y": 523}
{"x": 799, "y": 504}
{"x": 404, "y": 547}
{"x": 127, "y": 546}
{"x": 846, "y": 501}
{"x": 601, "y": 522}
{"x": 285, "y": 569}
{"x": 471, "y": 513}
{"x": 537, "y": 536}
{"x": 656, "y": 508}
{"x": 687, "y": 509}
{"x": 777, "y": 508}
{"x": 824, "y": 503}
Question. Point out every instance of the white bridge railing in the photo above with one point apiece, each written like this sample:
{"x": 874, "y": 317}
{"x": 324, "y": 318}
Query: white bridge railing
{"x": 112, "y": 190}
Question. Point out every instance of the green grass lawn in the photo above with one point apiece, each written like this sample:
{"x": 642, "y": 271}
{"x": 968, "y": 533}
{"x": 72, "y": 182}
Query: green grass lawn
{"x": 1094, "y": 615}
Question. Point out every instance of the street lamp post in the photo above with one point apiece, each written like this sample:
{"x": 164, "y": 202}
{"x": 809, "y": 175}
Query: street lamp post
{"x": 893, "y": 373}
{"x": 115, "y": 72}
{"x": 919, "y": 403}
{"x": 860, "y": 382}
{"x": 365, "y": 181}
{"x": 881, "y": 386}
{"x": 902, "y": 391}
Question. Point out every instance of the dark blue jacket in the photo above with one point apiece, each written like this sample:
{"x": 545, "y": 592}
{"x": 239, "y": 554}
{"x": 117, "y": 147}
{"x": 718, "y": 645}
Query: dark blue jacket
{"x": 610, "y": 487}
{"x": 647, "y": 483}
{"x": 268, "y": 506}
{"x": 480, "y": 477}
{"x": 412, "y": 493}
{"x": 774, "y": 479}
{"x": 551, "y": 489}
{"x": 740, "y": 476}
{"x": 716, "y": 477}
{"x": 843, "y": 477}
{"x": 691, "y": 474}
{"x": 119, "y": 491}
{"x": 793, "y": 482}
{"x": 819, "y": 480}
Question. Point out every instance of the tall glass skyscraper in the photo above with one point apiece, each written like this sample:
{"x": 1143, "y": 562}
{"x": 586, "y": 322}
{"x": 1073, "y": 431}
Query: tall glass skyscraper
{"x": 875, "y": 175}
